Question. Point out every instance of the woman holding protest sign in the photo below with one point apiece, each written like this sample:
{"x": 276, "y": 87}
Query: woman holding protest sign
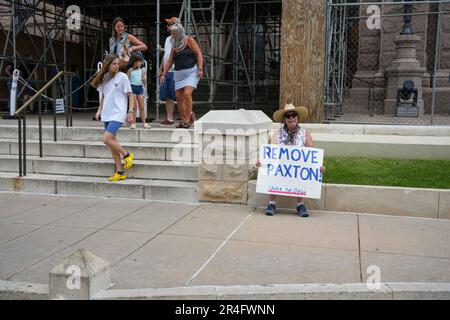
{"x": 290, "y": 134}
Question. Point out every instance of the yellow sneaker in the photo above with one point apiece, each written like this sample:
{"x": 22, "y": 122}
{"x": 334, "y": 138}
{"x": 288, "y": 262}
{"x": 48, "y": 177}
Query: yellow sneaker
{"x": 117, "y": 177}
{"x": 128, "y": 161}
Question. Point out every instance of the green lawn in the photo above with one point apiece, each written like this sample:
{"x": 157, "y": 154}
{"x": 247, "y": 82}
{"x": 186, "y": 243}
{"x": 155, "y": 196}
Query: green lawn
{"x": 388, "y": 172}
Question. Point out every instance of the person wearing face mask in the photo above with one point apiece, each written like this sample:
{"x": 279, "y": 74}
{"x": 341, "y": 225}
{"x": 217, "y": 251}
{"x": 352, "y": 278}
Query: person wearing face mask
{"x": 188, "y": 60}
{"x": 124, "y": 44}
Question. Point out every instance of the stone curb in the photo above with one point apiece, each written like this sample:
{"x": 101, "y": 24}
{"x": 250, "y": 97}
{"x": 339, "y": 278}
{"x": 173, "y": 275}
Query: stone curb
{"x": 351, "y": 291}
{"x": 10, "y": 290}
{"x": 411, "y": 202}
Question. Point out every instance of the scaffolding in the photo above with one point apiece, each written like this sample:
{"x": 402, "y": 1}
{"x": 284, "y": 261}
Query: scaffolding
{"x": 240, "y": 41}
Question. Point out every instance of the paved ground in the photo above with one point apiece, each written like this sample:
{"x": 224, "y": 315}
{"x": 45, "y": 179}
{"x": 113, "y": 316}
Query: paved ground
{"x": 154, "y": 244}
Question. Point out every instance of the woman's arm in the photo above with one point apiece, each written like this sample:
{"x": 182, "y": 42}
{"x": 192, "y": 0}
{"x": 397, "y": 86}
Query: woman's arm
{"x": 198, "y": 53}
{"x": 100, "y": 108}
{"x": 137, "y": 44}
{"x": 167, "y": 66}
{"x": 309, "y": 140}
{"x": 274, "y": 138}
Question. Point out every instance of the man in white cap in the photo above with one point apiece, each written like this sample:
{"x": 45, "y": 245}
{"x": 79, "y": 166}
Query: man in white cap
{"x": 167, "y": 89}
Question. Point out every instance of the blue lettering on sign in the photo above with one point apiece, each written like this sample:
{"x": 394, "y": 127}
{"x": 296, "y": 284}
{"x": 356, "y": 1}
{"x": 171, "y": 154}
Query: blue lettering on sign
{"x": 297, "y": 172}
{"x": 286, "y": 154}
{"x": 267, "y": 152}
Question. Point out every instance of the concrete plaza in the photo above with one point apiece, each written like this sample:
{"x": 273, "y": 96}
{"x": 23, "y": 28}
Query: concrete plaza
{"x": 165, "y": 245}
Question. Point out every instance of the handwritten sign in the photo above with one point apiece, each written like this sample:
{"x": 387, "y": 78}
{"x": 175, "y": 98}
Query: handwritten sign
{"x": 290, "y": 171}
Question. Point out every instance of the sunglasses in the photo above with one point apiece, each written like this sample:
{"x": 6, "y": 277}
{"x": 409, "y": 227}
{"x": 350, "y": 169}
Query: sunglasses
{"x": 290, "y": 115}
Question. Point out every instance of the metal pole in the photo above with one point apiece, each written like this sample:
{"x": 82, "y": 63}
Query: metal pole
{"x": 436, "y": 62}
{"x": 188, "y": 17}
{"x": 24, "y": 146}
{"x": 236, "y": 55}
{"x": 13, "y": 20}
{"x": 255, "y": 30}
{"x": 213, "y": 52}
{"x": 54, "y": 115}
{"x": 158, "y": 63}
{"x": 85, "y": 77}
{"x": 66, "y": 96}
{"x": 70, "y": 100}
{"x": 20, "y": 144}
{"x": 40, "y": 125}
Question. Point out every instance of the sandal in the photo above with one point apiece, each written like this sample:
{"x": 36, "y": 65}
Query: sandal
{"x": 186, "y": 125}
{"x": 192, "y": 119}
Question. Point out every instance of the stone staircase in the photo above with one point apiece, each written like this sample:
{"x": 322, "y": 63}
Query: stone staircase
{"x": 165, "y": 166}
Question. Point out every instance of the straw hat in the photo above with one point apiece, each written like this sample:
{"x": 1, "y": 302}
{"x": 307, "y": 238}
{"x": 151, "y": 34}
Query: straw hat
{"x": 301, "y": 111}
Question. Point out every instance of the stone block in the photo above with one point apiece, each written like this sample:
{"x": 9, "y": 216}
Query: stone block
{"x": 223, "y": 120}
{"x": 79, "y": 277}
{"x": 237, "y": 172}
{"x": 221, "y": 191}
{"x": 212, "y": 172}
{"x": 444, "y": 204}
{"x": 382, "y": 200}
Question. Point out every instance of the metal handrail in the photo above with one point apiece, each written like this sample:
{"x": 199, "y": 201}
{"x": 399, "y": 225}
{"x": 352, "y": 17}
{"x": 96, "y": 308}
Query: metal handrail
{"x": 22, "y": 115}
{"x": 40, "y": 92}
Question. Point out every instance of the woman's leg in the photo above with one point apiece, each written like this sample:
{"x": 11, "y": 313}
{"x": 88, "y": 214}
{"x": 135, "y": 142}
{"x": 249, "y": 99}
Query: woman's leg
{"x": 140, "y": 101}
{"x": 117, "y": 159}
{"x": 134, "y": 107}
{"x": 111, "y": 141}
{"x": 180, "y": 103}
{"x": 188, "y": 102}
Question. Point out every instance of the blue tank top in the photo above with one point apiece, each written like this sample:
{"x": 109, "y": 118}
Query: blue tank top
{"x": 184, "y": 59}
{"x": 136, "y": 77}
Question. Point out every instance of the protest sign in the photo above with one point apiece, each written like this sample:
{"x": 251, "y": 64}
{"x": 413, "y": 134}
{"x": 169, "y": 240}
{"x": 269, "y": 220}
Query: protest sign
{"x": 290, "y": 171}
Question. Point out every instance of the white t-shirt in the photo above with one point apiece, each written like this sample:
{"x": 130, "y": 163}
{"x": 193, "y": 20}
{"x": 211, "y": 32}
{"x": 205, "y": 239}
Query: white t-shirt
{"x": 168, "y": 51}
{"x": 115, "y": 98}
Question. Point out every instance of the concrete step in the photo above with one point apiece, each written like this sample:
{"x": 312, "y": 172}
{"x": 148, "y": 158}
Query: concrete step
{"x": 158, "y": 190}
{"x": 154, "y": 135}
{"x": 142, "y": 169}
{"x": 83, "y": 149}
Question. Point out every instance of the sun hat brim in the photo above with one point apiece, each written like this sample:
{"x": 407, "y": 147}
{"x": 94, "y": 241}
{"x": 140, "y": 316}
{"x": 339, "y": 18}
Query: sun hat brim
{"x": 302, "y": 112}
